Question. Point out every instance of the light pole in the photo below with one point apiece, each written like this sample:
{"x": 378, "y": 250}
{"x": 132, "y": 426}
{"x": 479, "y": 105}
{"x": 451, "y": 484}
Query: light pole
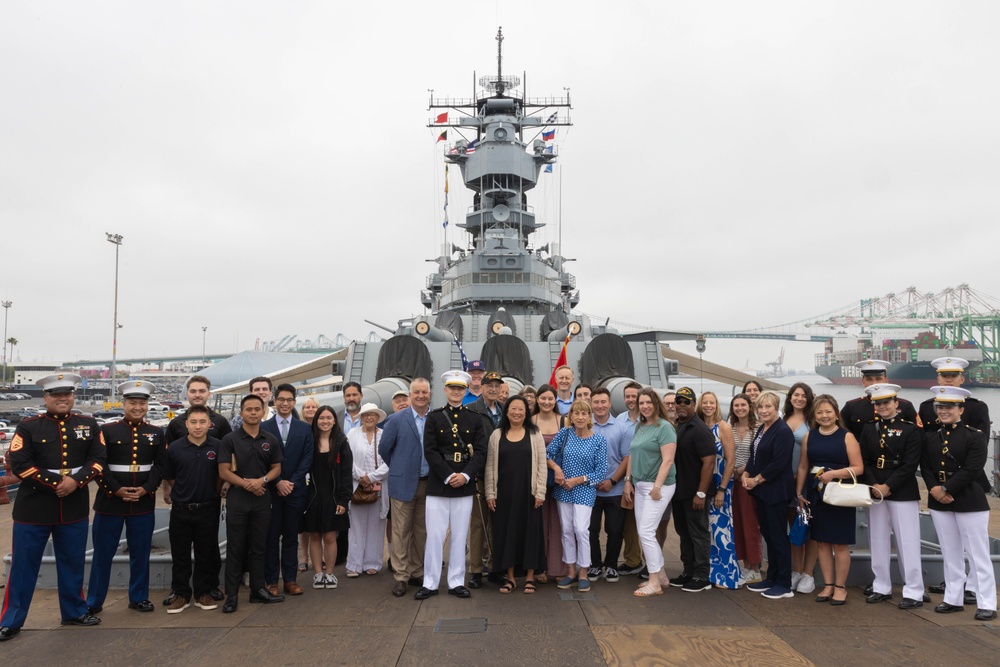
{"x": 116, "y": 239}
{"x": 6, "y": 310}
{"x": 204, "y": 333}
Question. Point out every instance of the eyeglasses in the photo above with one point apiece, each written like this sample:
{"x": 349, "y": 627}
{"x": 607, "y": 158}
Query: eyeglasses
{"x": 683, "y": 401}
{"x": 671, "y": 402}
{"x": 284, "y": 400}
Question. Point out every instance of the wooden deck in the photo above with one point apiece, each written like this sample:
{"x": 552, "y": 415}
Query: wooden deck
{"x": 361, "y": 623}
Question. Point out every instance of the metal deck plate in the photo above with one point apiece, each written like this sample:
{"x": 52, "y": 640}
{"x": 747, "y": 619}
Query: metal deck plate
{"x": 578, "y": 597}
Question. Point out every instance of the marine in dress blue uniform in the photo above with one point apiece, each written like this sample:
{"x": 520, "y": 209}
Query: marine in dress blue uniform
{"x": 55, "y": 455}
{"x": 859, "y": 411}
{"x": 126, "y": 498}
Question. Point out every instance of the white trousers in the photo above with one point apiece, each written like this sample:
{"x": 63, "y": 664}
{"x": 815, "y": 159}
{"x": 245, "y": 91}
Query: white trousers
{"x": 575, "y": 522}
{"x": 968, "y": 530}
{"x": 903, "y": 519}
{"x": 442, "y": 514}
{"x": 366, "y": 538}
{"x": 648, "y": 513}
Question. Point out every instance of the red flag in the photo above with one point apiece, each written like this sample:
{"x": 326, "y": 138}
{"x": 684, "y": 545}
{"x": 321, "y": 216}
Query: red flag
{"x": 561, "y": 361}
{"x": 443, "y": 136}
{"x": 442, "y": 118}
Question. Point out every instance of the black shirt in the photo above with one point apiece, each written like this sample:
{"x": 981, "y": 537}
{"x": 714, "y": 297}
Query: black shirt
{"x": 694, "y": 441}
{"x": 194, "y": 470}
{"x": 253, "y": 456}
{"x": 177, "y": 428}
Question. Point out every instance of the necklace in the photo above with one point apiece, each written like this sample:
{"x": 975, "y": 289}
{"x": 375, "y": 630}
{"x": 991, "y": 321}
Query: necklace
{"x": 831, "y": 432}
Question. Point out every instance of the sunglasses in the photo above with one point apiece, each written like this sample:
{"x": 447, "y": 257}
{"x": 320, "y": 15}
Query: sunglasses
{"x": 683, "y": 401}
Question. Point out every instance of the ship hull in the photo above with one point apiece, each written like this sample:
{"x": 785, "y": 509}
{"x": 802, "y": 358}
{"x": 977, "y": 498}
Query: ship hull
{"x": 911, "y": 375}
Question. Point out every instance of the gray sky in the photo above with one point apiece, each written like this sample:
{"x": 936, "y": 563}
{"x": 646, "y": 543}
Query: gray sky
{"x": 731, "y": 165}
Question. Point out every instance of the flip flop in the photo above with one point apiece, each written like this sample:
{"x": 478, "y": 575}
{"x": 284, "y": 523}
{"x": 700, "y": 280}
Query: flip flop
{"x": 529, "y": 588}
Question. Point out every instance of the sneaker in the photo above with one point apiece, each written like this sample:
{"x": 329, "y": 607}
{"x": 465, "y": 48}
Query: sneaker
{"x": 626, "y": 570}
{"x": 752, "y": 576}
{"x": 679, "y": 582}
{"x": 760, "y": 586}
{"x": 777, "y": 592}
{"x": 205, "y": 602}
{"x": 806, "y": 584}
{"x": 796, "y": 577}
{"x": 610, "y": 575}
{"x": 178, "y": 605}
{"x": 319, "y": 580}
{"x": 695, "y": 585}
{"x": 594, "y": 572}
{"x": 331, "y": 581}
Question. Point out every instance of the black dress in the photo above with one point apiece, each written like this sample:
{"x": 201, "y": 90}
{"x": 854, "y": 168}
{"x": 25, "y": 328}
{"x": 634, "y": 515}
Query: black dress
{"x": 330, "y": 484}
{"x": 517, "y": 525}
{"x": 830, "y": 524}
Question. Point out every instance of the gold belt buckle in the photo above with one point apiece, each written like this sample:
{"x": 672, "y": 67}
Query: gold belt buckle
{"x": 457, "y": 457}
{"x": 135, "y": 467}
{"x": 65, "y": 471}
{"x": 880, "y": 463}
{"x": 942, "y": 476}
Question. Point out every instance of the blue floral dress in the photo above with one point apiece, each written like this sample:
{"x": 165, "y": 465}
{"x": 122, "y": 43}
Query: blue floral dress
{"x": 724, "y": 568}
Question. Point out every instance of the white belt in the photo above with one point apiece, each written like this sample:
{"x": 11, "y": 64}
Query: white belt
{"x": 66, "y": 471}
{"x": 130, "y": 468}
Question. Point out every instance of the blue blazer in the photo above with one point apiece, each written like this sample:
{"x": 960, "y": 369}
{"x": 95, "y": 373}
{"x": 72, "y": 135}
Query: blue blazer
{"x": 773, "y": 462}
{"x": 400, "y": 447}
{"x": 298, "y": 452}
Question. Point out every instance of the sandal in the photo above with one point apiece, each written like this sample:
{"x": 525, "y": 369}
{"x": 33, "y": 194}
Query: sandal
{"x": 541, "y": 578}
{"x": 509, "y": 586}
{"x": 371, "y": 572}
{"x": 834, "y": 601}
{"x": 351, "y": 574}
{"x": 647, "y": 590}
{"x": 303, "y": 567}
{"x": 529, "y": 587}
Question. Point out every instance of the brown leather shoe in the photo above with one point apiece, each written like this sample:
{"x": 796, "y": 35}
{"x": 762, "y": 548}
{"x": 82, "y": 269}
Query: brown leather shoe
{"x": 272, "y": 589}
{"x": 292, "y": 588}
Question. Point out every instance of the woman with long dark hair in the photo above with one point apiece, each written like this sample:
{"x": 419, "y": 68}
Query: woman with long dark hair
{"x": 797, "y": 413}
{"x": 515, "y": 490}
{"x": 328, "y": 492}
{"x": 548, "y": 420}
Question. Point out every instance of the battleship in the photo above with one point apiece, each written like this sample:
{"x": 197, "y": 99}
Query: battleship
{"x": 499, "y": 298}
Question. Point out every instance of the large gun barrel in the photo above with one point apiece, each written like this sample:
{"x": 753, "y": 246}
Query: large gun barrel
{"x": 424, "y": 329}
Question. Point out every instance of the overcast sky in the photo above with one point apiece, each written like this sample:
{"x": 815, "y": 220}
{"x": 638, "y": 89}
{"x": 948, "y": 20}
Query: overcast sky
{"x": 731, "y": 164}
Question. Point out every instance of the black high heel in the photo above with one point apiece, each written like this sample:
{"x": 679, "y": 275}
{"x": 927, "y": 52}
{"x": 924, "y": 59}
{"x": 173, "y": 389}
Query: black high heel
{"x": 837, "y": 603}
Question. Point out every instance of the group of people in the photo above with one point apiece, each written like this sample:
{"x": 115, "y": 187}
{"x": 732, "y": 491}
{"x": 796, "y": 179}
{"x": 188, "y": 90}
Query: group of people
{"x": 528, "y": 480}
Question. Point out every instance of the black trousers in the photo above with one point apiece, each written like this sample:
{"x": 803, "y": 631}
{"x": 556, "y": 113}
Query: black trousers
{"x": 248, "y": 519}
{"x": 198, "y": 528}
{"x": 773, "y": 520}
{"x": 609, "y": 509}
{"x": 696, "y": 536}
{"x": 283, "y": 538}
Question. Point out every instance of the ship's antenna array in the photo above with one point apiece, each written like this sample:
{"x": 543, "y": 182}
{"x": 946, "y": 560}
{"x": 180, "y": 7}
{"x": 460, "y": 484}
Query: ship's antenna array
{"x": 499, "y": 85}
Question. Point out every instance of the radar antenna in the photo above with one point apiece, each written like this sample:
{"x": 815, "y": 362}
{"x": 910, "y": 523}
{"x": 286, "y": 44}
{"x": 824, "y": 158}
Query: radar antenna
{"x": 500, "y": 84}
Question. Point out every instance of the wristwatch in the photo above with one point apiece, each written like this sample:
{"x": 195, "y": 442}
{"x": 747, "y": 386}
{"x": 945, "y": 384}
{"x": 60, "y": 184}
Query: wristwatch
{"x": 264, "y": 480}
{"x": 700, "y": 494}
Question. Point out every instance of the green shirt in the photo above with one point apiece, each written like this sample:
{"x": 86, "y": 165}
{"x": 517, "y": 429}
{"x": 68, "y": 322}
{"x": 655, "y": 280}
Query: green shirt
{"x": 646, "y": 457}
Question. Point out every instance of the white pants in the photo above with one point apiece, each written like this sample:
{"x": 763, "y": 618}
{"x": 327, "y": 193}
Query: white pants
{"x": 903, "y": 518}
{"x": 366, "y": 538}
{"x": 970, "y": 530}
{"x": 648, "y": 513}
{"x": 442, "y": 514}
{"x": 575, "y": 522}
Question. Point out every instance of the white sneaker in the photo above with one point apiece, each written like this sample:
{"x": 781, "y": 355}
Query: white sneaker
{"x": 751, "y": 576}
{"x": 807, "y": 584}
{"x": 319, "y": 580}
{"x": 796, "y": 578}
{"x": 331, "y": 581}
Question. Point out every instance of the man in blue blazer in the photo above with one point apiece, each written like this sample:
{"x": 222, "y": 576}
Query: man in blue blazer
{"x": 288, "y": 493}
{"x": 402, "y": 447}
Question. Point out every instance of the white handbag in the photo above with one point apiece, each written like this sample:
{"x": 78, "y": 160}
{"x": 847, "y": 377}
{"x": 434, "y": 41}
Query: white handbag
{"x": 849, "y": 494}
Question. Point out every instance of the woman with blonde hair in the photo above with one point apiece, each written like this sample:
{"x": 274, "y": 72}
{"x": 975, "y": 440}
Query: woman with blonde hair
{"x": 724, "y": 568}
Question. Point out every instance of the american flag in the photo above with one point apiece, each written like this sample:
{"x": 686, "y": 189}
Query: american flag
{"x": 465, "y": 359}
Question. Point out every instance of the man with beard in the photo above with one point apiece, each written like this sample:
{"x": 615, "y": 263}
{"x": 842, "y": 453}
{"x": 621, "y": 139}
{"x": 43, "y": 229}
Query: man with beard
{"x": 352, "y": 406}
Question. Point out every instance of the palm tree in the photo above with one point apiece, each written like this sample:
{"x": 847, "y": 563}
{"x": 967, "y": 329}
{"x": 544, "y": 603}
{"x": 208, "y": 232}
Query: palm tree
{"x": 12, "y": 342}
